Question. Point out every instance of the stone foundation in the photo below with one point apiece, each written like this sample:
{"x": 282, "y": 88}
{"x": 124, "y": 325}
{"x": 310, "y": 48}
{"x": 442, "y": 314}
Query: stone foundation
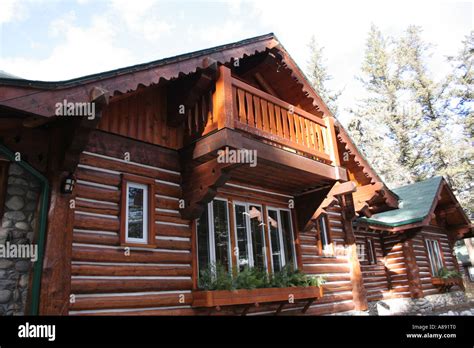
{"x": 18, "y": 226}
{"x": 426, "y": 305}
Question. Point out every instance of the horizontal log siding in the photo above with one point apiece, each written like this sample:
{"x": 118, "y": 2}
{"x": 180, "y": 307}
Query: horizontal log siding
{"x": 149, "y": 281}
{"x": 422, "y": 260}
{"x": 158, "y": 282}
{"x": 374, "y": 276}
{"x": 338, "y": 287}
{"x": 396, "y": 266}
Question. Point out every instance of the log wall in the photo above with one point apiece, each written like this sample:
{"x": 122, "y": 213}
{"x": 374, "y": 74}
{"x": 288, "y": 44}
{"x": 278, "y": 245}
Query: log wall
{"x": 422, "y": 260}
{"x": 106, "y": 281}
{"x": 375, "y": 276}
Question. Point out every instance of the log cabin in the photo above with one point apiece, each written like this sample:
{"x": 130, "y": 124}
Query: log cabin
{"x": 130, "y": 203}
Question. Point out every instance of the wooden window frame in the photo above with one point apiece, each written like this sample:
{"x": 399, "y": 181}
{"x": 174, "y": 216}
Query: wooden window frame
{"x": 371, "y": 251}
{"x": 232, "y": 222}
{"x": 150, "y": 184}
{"x": 4, "y": 165}
{"x": 428, "y": 253}
{"x": 327, "y": 229}
{"x": 280, "y": 237}
{"x": 211, "y": 231}
{"x": 249, "y": 234}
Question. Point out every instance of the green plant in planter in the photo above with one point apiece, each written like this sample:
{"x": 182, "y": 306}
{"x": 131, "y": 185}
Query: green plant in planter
{"x": 251, "y": 278}
{"x": 444, "y": 273}
{"x": 289, "y": 277}
{"x": 216, "y": 277}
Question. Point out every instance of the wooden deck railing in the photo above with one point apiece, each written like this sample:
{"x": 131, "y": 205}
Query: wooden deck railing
{"x": 238, "y": 105}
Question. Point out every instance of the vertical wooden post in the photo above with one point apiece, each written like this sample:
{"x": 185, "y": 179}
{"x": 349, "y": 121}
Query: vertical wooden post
{"x": 266, "y": 230}
{"x": 359, "y": 294}
{"x": 194, "y": 261}
{"x": 384, "y": 254}
{"x": 223, "y": 99}
{"x": 233, "y": 241}
{"x": 296, "y": 231}
{"x": 332, "y": 141}
{"x": 56, "y": 279}
{"x": 413, "y": 273}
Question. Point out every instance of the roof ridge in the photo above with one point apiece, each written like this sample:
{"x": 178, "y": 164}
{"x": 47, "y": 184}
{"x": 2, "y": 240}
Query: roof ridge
{"x": 136, "y": 67}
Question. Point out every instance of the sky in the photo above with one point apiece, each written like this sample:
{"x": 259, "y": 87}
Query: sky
{"x": 58, "y": 40}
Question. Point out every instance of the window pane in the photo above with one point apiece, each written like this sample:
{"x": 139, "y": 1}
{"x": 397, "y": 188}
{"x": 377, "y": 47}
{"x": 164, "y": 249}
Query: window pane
{"x": 287, "y": 237}
{"x": 439, "y": 259}
{"x": 242, "y": 240}
{"x": 275, "y": 239}
{"x": 203, "y": 240}
{"x": 324, "y": 232}
{"x": 221, "y": 233}
{"x": 136, "y": 207}
{"x": 258, "y": 244}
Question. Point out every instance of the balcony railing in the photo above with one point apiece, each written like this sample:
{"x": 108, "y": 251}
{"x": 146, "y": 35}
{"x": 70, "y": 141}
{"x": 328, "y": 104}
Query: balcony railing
{"x": 238, "y": 105}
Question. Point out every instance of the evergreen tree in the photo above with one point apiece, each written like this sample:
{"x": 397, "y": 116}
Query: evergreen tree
{"x": 319, "y": 76}
{"x": 461, "y": 92}
{"x": 381, "y": 129}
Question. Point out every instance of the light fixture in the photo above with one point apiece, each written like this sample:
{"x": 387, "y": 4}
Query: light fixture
{"x": 68, "y": 184}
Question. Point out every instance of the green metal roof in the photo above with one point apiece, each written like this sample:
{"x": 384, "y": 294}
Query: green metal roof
{"x": 414, "y": 204}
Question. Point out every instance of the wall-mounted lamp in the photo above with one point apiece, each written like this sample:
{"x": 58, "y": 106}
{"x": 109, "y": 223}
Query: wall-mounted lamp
{"x": 68, "y": 184}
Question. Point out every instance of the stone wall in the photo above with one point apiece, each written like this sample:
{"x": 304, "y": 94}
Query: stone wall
{"x": 426, "y": 305}
{"x": 18, "y": 226}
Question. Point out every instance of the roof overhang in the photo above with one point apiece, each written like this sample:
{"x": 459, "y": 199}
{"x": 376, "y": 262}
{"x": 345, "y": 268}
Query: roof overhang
{"x": 462, "y": 226}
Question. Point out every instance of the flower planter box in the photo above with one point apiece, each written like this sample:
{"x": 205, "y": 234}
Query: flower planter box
{"x": 446, "y": 284}
{"x": 218, "y": 298}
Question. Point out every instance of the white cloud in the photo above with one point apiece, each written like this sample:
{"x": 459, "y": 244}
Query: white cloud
{"x": 12, "y": 10}
{"x": 142, "y": 19}
{"x": 83, "y": 51}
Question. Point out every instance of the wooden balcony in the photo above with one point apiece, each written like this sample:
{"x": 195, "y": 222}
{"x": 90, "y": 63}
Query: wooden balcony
{"x": 240, "y": 106}
{"x": 296, "y": 150}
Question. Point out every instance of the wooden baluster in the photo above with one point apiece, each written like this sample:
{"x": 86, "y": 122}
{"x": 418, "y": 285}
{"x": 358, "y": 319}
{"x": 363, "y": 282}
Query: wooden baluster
{"x": 266, "y": 122}
{"x": 284, "y": 119}
{"x": 303, "y": 132}
{"x": 296, "y": 122}
{"x": 258, "y": 112}
{"x": 203, "y": 110}
{"x": 312, "y": 135}
{"x": 250, "y": 118}
{"x": 210, "y": 111}
{"x": 308, "y": 133}
{"x": 190, "y": 121}
{"x": 196, "y": 117}
{"x": 235, "y": 101}
{"x": 271, "y": 115}
{"x": 320, "y": 138}
{"x": 278, "y": 121}
{"x": 291, "y": 124}
{"x": 242, "y": 114}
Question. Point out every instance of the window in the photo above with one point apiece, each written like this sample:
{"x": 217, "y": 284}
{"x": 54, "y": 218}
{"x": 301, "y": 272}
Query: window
{"x": 371, "y": 255}
{"x": 213, "y": 236}
{"x": 250, "y": 236}
{"x": 435, "y": 256}
{"x": 282, "y": 244}
{"x": 253, "y": 248}
{"x": 470, "y": 271}
{"x": 3, "y": 184}
{"x": 137, "y": 223}
{"x": 325, "y": 245}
